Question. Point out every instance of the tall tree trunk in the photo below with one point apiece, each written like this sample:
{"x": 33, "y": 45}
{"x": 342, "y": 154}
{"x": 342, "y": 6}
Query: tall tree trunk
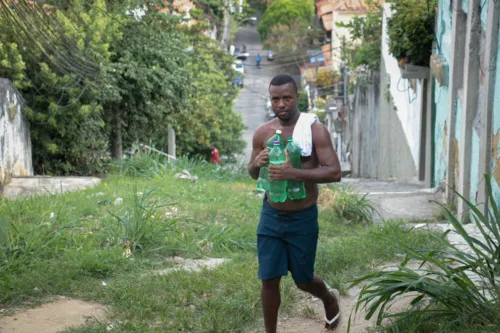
{"x": 117, "y": 139}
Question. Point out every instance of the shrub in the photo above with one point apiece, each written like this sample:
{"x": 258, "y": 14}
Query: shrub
{"x": 456, "y": 286}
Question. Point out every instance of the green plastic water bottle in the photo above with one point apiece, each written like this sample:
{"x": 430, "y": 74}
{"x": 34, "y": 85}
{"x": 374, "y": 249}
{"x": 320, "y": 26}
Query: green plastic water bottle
{"x": 263, "y": 181}
{"x": 277, "y": 188}
{"x": 275, "y": 137}
{"x": 295, "y": 189}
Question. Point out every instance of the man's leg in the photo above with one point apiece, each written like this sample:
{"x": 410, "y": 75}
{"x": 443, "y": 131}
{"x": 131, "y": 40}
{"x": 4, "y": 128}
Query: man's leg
{"x": 318, "y": 289}
{"x": 271, "y": 300}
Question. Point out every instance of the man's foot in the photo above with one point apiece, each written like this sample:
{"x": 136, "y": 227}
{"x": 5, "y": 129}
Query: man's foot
{"x": 332, "y": 311}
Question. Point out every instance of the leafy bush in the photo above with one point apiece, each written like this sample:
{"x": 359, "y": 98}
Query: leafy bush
{"x": 411, "y": 31}
{"x": 285, "y": 12}
{"x": 456, "y": 286}
{"x": 303, "y": 104}
{"x": 348, "y": 205}
{"x": 366, "y": 38}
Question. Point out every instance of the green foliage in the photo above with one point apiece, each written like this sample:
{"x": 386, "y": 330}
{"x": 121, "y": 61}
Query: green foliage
{"x": 326, "y": 79}
{"x": 291, "y": 40}
{"x": 285, "y": 12}
{"x": 303, "y": 104}
{"x": 210, "y": 118}
{"x": 140, "y": 228}
{"x": 102, "y": 79}
{"x": 411, "y": 31}
{"x": 321, "y": 116}
{"x": 214, "y": 217}
{"x": 366, "y": 38}
{"x": 352, "y": 207}
{"x": 148, "y": 81}
{"x": 62, "y": 106}
{"x": 453, "y": 286}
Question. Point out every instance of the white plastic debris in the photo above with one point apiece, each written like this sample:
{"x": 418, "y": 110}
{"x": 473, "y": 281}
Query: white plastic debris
{"x": 186, "y": 176}
{"x": 118, "y": 201}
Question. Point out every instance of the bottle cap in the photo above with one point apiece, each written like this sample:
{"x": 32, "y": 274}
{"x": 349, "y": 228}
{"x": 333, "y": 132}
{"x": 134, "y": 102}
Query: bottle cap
{"x": 276, "y": 143}
{"x": 290, "y": 139}
{"x": 278, "y": 131}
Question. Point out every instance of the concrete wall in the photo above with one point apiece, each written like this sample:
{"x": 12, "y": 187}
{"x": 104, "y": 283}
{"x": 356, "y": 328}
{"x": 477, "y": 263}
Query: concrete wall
{"x": 407, "y": 100}
{"x": 364, "y": 132}
{"x": 15, "y": 143}
{"x": 441, "y": 102}
{"x": 467, "y": 107}
{"x": 495, "y": 170}
{"x": 386, "y": 121}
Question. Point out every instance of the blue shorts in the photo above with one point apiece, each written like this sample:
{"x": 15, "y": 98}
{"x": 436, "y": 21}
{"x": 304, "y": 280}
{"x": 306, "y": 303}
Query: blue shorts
{"x": 287, "y": 241}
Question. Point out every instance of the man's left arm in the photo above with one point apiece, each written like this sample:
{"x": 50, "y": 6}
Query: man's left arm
{"x": 329, "y": 169}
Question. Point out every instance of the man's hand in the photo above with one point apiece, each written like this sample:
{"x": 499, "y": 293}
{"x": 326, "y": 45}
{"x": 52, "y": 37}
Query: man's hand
{"x": 282, "y": 172}
{"x": 262, "y": 158}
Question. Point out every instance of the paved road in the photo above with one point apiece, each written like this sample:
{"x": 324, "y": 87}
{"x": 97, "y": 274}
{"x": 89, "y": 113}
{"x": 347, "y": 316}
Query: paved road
{"x": 251, "y": 102}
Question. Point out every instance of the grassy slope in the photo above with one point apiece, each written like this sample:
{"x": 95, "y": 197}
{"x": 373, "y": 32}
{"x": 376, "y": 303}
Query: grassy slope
{"x": 83, "y": 244}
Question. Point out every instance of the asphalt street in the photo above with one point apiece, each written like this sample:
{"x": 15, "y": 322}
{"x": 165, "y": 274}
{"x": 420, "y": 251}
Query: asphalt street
{"x": 252, "y": 100}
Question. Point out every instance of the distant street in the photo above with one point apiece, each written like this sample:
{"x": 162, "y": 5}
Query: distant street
{"x": 251, "y": 102}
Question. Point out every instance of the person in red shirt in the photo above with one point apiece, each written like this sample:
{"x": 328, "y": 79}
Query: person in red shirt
{"x": 215, "y": 155}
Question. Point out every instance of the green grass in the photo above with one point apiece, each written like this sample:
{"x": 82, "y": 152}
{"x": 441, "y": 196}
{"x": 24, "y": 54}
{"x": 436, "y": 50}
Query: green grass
{"x": 68, "y": 244}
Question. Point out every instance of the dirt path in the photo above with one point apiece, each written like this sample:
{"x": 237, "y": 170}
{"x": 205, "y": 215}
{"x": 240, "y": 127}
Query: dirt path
{"x": 309, "y": 313}
{"x": 52, "y": 317}
{"x": 65, "y": 312}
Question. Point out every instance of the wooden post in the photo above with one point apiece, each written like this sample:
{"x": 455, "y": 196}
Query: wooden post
{"x": 171, "y": 141}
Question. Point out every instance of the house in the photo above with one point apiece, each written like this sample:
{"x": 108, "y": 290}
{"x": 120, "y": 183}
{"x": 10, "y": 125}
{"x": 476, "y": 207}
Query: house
{"x": 332, "y": 12}
{"x": 180, "y": 8}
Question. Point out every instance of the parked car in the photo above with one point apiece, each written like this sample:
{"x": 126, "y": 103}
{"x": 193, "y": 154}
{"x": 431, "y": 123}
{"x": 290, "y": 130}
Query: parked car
{"x": 270, "y": 55}
{"x": 238, "y": 81}
{"x": 238, "y": 66}
{"x": 240, "y": 52}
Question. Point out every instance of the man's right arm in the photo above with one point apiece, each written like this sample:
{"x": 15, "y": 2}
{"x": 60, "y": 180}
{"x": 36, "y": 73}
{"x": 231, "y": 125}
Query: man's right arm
{"x": 256, "y": 157}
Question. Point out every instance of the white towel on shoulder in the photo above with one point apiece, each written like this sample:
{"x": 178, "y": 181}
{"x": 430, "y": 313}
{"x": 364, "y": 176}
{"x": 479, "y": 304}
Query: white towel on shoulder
{"x": 302, "y": 134}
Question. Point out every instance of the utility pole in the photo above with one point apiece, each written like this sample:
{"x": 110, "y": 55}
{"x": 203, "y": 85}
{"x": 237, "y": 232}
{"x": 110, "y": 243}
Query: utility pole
{"x": 344, "y": 110}
{"x": 225, "y": 33}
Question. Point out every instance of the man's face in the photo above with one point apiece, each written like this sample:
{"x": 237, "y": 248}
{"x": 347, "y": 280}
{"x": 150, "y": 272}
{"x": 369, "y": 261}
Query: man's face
{"x": 284, "y": 100}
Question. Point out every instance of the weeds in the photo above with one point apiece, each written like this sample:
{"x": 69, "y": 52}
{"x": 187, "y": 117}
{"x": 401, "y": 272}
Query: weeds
{"x": 453, "y": 286}
{"x": 69, "y": 244}
{"x": 349, "y": 206}
{"x": 139, "y": 229}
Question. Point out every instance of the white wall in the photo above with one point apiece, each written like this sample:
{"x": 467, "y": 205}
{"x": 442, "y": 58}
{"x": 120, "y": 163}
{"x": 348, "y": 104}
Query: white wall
{"x": 15, "y": 142}
{"x": 406, "y": 100}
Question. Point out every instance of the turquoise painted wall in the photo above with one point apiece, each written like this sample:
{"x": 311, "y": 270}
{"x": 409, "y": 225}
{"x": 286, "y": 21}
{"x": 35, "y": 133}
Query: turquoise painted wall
{"x": 484, "y": 13}
{"x": 496, "y": 130}
{"x": 484, "y": 10}
{"x": 474, "y": 168}
{"x": 441, "y": 125}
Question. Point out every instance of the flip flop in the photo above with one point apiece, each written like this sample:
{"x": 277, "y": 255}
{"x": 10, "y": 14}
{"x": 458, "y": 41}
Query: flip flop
{"x": 337, "y": 317}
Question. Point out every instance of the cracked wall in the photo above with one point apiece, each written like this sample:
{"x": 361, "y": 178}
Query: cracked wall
{"x": 15, "y": 143}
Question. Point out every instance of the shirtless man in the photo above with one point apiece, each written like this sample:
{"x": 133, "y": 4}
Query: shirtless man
{"x": 287, "y": 234}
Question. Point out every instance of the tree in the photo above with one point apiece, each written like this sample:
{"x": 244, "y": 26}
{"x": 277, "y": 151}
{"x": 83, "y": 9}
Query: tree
{"x": 325, "y": 79}
{"x": 148, "y": 74}
{"x": 303, "y": 104}
{"x": 57, "y": 69}
{"x": 210, "y": 118}
{"x": 366, "y": 38}
{"x": 291, "y": 40}
{"x": 285, "y": 12}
